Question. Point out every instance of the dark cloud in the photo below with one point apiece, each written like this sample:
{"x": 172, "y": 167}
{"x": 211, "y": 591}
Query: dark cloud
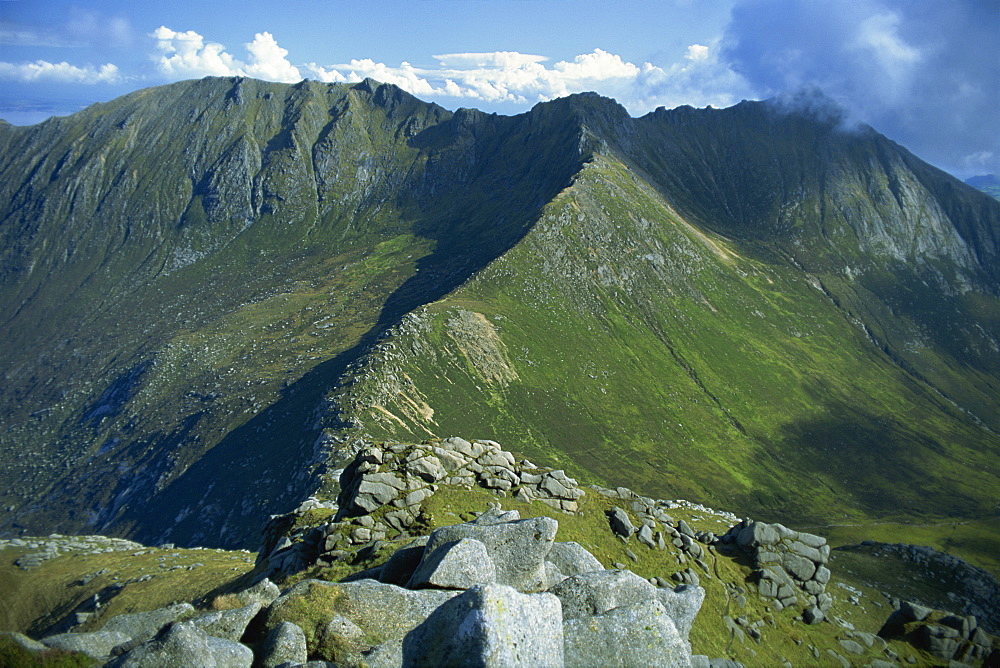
{"x": 926, "y": 73}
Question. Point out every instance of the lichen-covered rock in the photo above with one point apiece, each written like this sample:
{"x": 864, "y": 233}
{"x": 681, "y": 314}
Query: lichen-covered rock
{"x": 682, "y": 605}
{"x": 640, "y": 634}
{"x": 382, "y": 611}
{"x": 285, "y": 644}
{"x": 460, "y": 564}
{"x": 24, "y": 641}
{"x": 620, "y": 523}
{"x": 184, "y": 644}
{"x": 263, "y": 592}
{"x": 789, "y": 565}
{"x": 96, "y": 645}
{"x": 399, "y": 568}
{"x": 142, "y": 626}
{"x": 489, "y": 625}
{"x": 594, "y": 593}
{"x": 518, "y": 549}
{"x": 573, "y": 559}
{"x": 227, "y": 624}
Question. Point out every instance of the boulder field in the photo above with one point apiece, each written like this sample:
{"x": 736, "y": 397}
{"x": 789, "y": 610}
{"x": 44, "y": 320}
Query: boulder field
{"x": 497, "y": 590}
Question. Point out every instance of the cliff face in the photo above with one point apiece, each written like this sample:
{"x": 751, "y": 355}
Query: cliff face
{"x": 227, "y": 280}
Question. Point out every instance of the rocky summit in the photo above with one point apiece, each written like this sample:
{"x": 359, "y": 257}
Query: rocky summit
{"x": 503, "y": 590}
{"x": 240, "y": 315}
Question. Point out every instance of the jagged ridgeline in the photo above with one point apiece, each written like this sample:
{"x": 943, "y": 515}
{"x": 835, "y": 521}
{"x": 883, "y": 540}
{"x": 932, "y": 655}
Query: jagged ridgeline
{"x": 210, "y": 291}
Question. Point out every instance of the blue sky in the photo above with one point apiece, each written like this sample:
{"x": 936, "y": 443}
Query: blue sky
{"x": 924, "y": 72}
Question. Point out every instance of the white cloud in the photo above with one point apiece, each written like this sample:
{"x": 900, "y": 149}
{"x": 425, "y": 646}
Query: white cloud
{"x": 491, "y": 77}
{"x": 979, "y": 161}
{"x": 327, "y": 75}
{"x": 267, "y": 60}
{"x": 877, "y": 44}
{"x": 63, "y": 72}
{"x": 924, "y": 72}
{"x": 502, "y": 59}
{"x": 697, "y": 52}
{"x": 187, "y": 54}
{"x": 20, "y": 36}
{"x": 512, "y": 77}
{"x": 597, "y": 66}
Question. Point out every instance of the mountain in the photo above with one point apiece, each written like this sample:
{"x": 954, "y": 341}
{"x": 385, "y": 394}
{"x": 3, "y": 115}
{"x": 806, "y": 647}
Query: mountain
{"x": 988, "y": 183}
{"x": 214, "y": 291}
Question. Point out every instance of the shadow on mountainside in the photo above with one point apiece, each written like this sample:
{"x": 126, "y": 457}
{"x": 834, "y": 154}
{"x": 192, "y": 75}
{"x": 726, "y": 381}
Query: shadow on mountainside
{"x": 884, "y": 465}
{"x": 267, "y": 465}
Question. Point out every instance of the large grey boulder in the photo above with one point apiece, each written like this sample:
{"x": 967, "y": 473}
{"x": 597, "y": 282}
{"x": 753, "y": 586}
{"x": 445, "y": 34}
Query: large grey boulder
{"x": 798, "y": 566}
{"x": 184, "y": 644}
{"x": 382, "y": 611}
{"x": 403, "y": 563}
{"x": 489, "y": 625}
{"x": 497, "y": 515}
{"x": 344, "y": 636}
{"x": 682, "y": 605}
{"x": 141, "y": 626}
{"x": 228, "y": 624}
{"x": 460, "y": 564}
{"x": 285, "y": 644}
{"x": 573, "y": 559}
{"x": 96, "y": 645}
{"x": 641, "y": 634}
{"x": 583, "y": 596}
{"x": 758, "y": 533}
{"x": 264, "y": 592}
{"x": 387, "y": 655}
{"x": 518, "y": 549}
{"x": 621, "y": 525}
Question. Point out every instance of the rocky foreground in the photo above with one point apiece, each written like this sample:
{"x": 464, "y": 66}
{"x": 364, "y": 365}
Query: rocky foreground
{"x": 500, "y": 590}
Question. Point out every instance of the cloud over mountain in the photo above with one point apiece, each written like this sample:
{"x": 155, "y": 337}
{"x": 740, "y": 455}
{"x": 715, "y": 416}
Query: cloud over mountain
{"x": 187, "y": 54}
{"x": 924, "y": 72}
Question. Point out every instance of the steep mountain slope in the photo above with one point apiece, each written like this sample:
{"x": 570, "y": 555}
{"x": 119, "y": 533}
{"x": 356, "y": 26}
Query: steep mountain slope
{"x": 744, "y": 306}
{"x": 211, "y": 291}
{"x": 187, "y": 269}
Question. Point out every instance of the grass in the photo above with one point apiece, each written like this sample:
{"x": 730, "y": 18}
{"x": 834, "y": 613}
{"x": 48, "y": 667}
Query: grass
{"x": 13, "y": 655}
{"x": 975, "y": 541}
{"x": 202, "y": 264}
{"x": 37, "y": 599}
{"x": 704, "y": 373}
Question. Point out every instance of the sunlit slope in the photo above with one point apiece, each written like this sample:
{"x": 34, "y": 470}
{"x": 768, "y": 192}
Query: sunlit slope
{"x": 209, "y": 291}
{"x": 652, "y": 351}
{"x": 902, "y": 248}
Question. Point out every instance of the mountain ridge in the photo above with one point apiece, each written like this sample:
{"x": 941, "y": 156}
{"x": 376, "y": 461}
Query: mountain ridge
{"x": 287, "y": 250}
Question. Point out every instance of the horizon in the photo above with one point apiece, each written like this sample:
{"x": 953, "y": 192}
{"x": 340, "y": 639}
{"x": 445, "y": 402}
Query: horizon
{"x": 914, "y": 71}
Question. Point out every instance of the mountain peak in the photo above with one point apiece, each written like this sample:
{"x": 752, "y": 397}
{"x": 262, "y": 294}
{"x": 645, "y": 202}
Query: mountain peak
{"x": 224, "y": 277}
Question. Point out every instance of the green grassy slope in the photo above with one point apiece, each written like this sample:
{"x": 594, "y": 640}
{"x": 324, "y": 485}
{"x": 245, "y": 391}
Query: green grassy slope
{"x": 647, "y": 351}
{"x": 207, "y": 288}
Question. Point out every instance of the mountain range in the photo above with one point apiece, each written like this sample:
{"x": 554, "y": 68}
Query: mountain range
{"x": 213, "y": 293}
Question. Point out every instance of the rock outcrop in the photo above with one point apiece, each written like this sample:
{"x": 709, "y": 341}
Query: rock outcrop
{"x": 944, "y": 635}
{"x": 480, "y": 593}
{"x": 789, "y": 566}
{"x": 393, "y": 481}
{"x": 403, "y": 475}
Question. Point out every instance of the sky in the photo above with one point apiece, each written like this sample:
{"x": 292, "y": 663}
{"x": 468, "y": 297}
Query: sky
{"x": 926, "y": 73}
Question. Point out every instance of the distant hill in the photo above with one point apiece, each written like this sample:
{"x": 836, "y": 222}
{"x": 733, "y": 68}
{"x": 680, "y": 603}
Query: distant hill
{"x": 211, "y": 291}
{"x": 988, "y": 183}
